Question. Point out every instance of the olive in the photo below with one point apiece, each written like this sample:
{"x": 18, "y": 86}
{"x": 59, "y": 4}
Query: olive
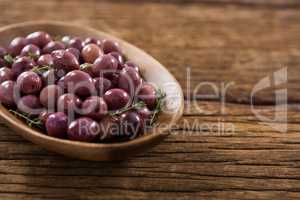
{"x": 91, "y": 52}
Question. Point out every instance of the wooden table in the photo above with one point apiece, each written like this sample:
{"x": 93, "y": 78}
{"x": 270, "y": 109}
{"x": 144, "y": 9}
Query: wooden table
{"x": 236, "y": 42}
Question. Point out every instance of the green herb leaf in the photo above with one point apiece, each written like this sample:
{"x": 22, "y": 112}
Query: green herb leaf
{"x": 138, "y": 105}
{"x": 160, "y": 95}
{"x": 9, "y": 59}
{"x": 85, "y": 66}
{"x": 32, "y": 56}
{"x": 30, "y": 122}
{"x": 40, "y": 69}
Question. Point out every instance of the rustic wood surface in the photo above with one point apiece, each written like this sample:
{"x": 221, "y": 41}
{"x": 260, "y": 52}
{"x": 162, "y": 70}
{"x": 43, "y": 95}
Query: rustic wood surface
{"x": 223, "y": 41}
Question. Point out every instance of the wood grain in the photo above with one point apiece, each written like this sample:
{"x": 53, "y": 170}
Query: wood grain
{"x": 222, "y": 41}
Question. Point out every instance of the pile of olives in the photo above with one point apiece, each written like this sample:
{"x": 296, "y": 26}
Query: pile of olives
{"x": 76, "y": 88}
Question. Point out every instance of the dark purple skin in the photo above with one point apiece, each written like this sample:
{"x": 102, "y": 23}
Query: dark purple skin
{"x": 102, "y": 85}
{"x": 49, "y": 77}
{"x": 116, "y": 98}
{"x": 83, "y": 129}
{"x": 109, "y": 128}
{"x": 91, "y": 40}
{"x": 16, "y": 45}
{"x": 133, "y": 65}
{"x": 68, "y": 103}
{"x": 3, "y": 63}
{"x": 52, "y": 46}
{"x": 39, "y": 38}
{"x": 76, "y": 43}
{"x": 7, "y": 93}
{"x": 110, "y": 46}
{"x": 57, "y": 125}
{"x": 3, "y": 52}
{"x": 29, "y": 83}
{"x": 94, "y": 107}
{"x": 147, "y": 94}
{"x": 74, "y": 51}
{"x": 45, "y": 60}
{"x": 105, "y": 66}
{"x": 145, "y": 115}
{"x": 22, "y": 64}
{"x": 63, "y": 60}
{"x": 49, "y": 96}
{"x": 80, "y": 83}
{"x": 119, "y": 57}
{"x": 129, "y": 80}
{"x": 31, "y": 50}
{"x": 43, "y": 116}
{"x": 30, "y": 105}
{"x": 131, "y": 124}
{"x": 5, "y": 74}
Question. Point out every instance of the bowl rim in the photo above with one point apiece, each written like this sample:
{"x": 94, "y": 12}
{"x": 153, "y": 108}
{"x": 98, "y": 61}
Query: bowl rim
{"x": 13, "y": 121}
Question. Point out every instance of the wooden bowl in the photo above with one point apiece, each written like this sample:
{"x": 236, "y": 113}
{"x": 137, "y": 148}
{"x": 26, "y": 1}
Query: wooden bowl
{"x": 151, "y": 70}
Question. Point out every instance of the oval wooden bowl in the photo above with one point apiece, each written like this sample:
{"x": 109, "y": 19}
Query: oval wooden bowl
{"x": 151, "y": 70}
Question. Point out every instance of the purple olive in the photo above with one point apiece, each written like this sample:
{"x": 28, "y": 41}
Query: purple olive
{"x": 116, "y": 98}
{"x": 110, "y": 46}
{"x": 57, "y": 125}
{"x": 109, "y": 128}
{"x": 22, "y": 64}
{"x": 43, "y": 116}
{"x": 30, "y": 105}
{"x": 119, "y": 57}
{"x": 63, "y": 60}
{"x": 31, "y": 50}
{"x": 105, "y": 65}
{"x": 16, "y": 45}
{"x": 80, "y": 83}
{"x": 7, "y": 93}
{"x": 83, "y": 129}
{"x": 39, "y": 38}
{"x": 52, "y": 46}
{"x": 45, "y": 60}
{"x": 76, "y": 43}
{"x": 94, "y": 107}
{"x": 3, "y": 52}
{"x": 129, "y": 80}
{"x": 102, "y": 85}
{"x": 91, "y": 40}
{"x": 91, "y": 52}
{"x": 131, "y": 124}
{"x": 5, "y": 74}
{"x": 74, "y": 51}
{"x": 49, "y": 77}
{"x": 133, "y": 65}
{"x": 3, "y": 63}
{"x": 68, "y": 103}
{"x": 49, "y": 96}
{"x": 147, "y": 93}
{"x": 29, "y": 83}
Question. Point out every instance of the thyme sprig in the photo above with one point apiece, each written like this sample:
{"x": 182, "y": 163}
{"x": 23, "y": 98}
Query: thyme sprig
{"x": 29, "y": 120}
{"x": 40, "y": 69}
{"x": 9, "y": 59}
{"x": 137, "y": 105}
{"x": 32, "y": 56}
{"x": 160, "y": 95}
{"x": 85, "y": 66}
